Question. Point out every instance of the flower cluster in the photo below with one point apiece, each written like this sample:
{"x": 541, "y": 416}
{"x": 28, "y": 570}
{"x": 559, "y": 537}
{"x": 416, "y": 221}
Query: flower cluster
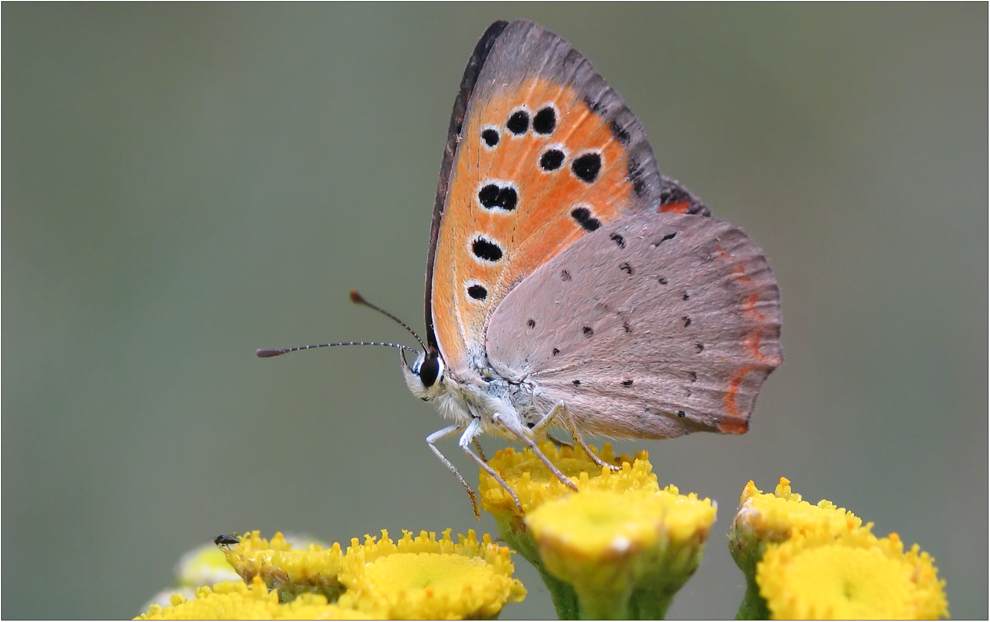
{"x": 621, "y": 547}
{"x": 413, "y": 577}
{"x": 805, "y": 561}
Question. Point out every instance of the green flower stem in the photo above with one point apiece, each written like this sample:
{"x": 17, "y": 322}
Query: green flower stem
{"x": 753, "y": 606}
{"x": 515, "y": 534}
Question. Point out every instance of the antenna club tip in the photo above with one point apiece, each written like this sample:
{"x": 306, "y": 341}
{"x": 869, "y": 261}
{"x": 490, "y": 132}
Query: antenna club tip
{"x": 356, "y": 297}
{"x": 265, "y": 353}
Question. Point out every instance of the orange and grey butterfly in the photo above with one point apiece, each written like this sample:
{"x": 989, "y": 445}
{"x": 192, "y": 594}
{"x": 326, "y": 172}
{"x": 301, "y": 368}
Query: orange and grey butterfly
{"x": 541, "y": 155}
{"x": 569, "y": 282}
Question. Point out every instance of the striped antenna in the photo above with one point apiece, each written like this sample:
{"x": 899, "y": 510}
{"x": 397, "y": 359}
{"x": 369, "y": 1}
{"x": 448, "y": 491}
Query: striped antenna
{"x": 356, "y": 299}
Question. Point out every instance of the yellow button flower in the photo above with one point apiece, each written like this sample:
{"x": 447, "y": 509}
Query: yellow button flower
{"x": 625, "y": 553}
{"x": 764, "y": 519}
{"x": 855, "y": 576}
{"x": 239, "y": 601}
{"x": 426, "y": 578}
{"x": 533, "y": 483}
{"x": 291, "y": 571}
{"x": 537, "y": 488}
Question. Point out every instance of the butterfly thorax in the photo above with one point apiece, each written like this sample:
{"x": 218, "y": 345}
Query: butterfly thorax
{"x": 477, "y": 392}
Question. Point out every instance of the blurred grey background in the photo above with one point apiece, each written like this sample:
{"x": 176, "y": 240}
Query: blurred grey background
{"x": 185, "y": 183}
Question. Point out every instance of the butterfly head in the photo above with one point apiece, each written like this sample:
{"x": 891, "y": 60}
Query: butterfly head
{"x": 425, "y": 376}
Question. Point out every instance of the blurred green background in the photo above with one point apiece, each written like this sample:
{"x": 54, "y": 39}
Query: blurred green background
{"x": 185, "y": 183}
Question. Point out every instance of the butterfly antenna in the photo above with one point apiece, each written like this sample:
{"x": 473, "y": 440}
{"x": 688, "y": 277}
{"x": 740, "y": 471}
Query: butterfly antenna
{"x": 356, "y": 298}
{"x": 270, "y": 352}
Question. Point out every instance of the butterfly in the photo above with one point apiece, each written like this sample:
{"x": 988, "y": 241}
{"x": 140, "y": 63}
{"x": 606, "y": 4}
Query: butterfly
{"x": 569, "y": 283}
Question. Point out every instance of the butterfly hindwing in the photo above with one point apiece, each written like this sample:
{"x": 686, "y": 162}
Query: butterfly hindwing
{"x": 545, "y": 154}
{"x": 679, "y": 327}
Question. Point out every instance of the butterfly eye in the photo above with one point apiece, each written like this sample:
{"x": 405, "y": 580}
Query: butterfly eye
{"x": 429, "y": 370}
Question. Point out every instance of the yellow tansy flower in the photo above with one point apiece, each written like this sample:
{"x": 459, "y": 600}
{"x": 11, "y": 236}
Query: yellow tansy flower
{"x": 239, "y": 601}
{"x": 533, "y": 482}
{"x": 855, "y": 576}
{"x": 624, "y": 553}
{"x": 535, "y": 486}
{"x": 423, "y": 578}
{"x": 291, "y": 571}
{"x": 775, "y": 517}
{"x": 764, "y": 519}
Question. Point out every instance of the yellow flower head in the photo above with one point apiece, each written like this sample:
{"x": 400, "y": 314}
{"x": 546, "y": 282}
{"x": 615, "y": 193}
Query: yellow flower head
{"x": 778, "y": 515}
{"x": 534, "y": 484}
{"x": 423, "y": 577}
{"x": 856, "y": 576}
{"x": 238, "y": 601}
{"x": 765, "y": 518}
{"x": 289, "y": 570}
{"x": 624, "y": 553}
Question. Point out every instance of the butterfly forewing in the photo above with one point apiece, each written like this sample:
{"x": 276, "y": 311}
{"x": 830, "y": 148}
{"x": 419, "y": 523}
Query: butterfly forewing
{"x": 652, "y": 327}
{"x": 547, "y": 154}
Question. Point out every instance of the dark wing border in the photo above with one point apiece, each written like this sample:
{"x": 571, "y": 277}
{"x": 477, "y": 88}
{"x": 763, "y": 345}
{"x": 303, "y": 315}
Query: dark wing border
{"x": 471, "y": 72}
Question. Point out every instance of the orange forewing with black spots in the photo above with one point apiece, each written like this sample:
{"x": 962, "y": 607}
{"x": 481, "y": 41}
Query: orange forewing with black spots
{"x": 547, "y": 152}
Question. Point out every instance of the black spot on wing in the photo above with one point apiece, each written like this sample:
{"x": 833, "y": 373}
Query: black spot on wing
{"x": 545, "y": 120}
{"x": 518, "y": 122}
{"x": 490, "y": 137}
{"x": 497, "y": 196}
{"x": 486, "y": 249}
{"x": 620, "y": 133}
{"x": 551, "y": 159}
{"x": 478, "y": 292}
{"x": 583, "y": 217}
{"x": 666, "y": 238}
{"x": 586, "y": 167}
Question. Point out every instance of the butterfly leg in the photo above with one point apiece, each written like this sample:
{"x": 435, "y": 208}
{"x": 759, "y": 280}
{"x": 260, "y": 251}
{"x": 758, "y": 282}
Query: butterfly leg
{"x": 560, "y": 412}
{"x": 436, "y": 436}
{"x": 556, "y": 441}
{"x": 481, "y": 452}
{"x": 470, "y": 435}
{"x": 529, "y": 442}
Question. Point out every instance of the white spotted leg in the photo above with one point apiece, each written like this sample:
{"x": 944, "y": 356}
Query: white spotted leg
{"x": 560, "y": 412}
{"x": 470, "y": 435}
{"x": 431, "y": 440}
